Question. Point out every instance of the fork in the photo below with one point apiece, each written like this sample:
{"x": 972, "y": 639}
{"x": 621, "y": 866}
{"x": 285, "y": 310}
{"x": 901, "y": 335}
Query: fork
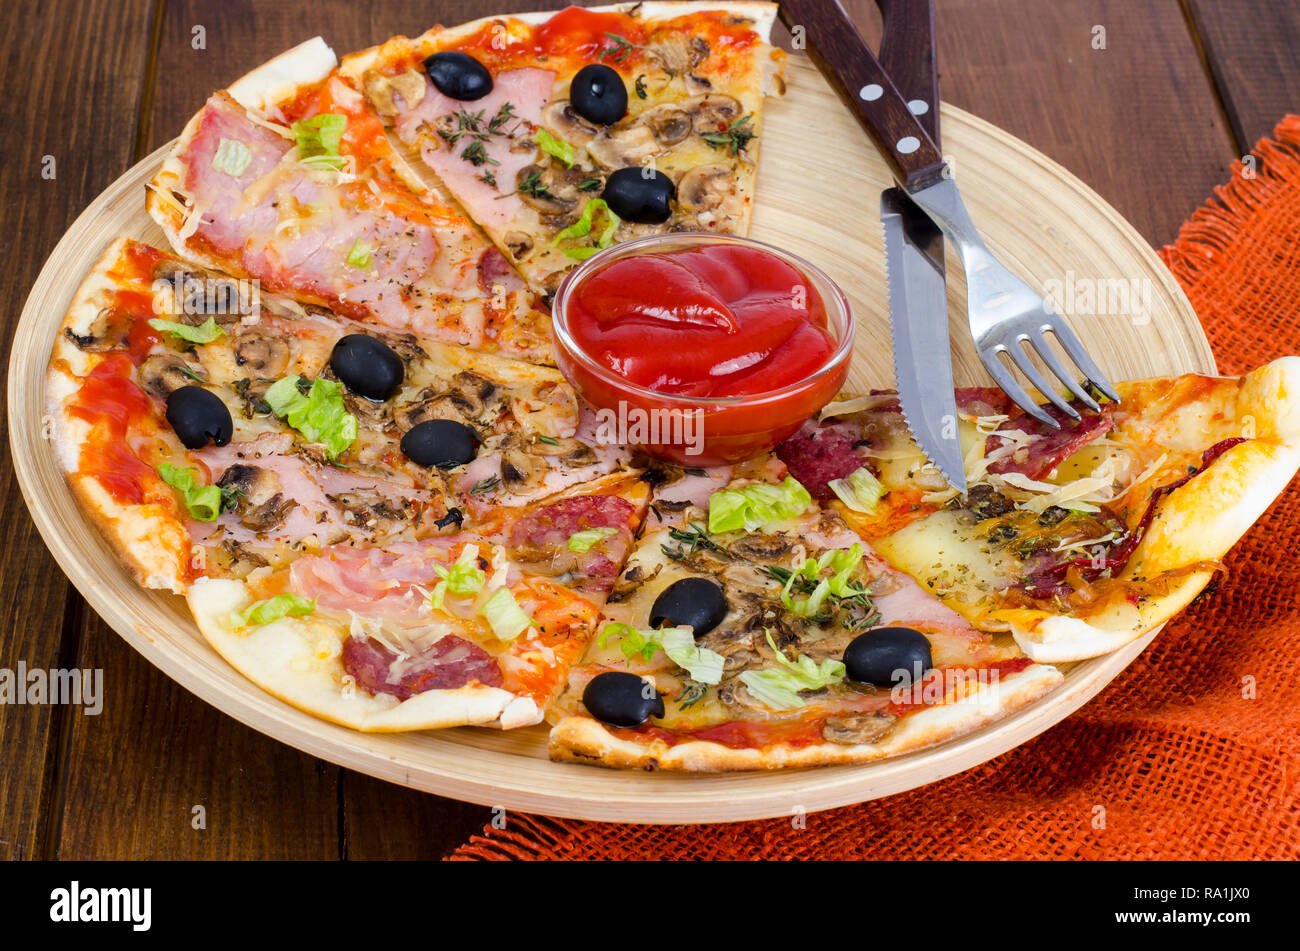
{"x": 1005, "y": 313}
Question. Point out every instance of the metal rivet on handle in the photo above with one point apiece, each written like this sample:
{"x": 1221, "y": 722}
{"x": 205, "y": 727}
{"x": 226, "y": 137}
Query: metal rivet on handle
{"x": 871, "y": 92}
{"x": 908, "y": 144}
{"x": 919, "y": 107}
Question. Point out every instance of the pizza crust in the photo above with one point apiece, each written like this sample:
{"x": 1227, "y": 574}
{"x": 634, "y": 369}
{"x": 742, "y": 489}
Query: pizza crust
{"x": 298, "y": 661}
{"x": 580, "y": 739}
{"x": 1196, "y": 523}
{"x": 150, "y": 539}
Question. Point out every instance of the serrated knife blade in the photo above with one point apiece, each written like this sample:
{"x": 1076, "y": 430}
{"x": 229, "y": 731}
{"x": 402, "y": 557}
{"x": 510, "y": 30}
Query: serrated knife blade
{"x": 918, "y": 320}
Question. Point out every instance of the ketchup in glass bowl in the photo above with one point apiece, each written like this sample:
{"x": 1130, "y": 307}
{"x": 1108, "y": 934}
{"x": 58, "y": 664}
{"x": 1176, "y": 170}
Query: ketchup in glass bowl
{"x": 701, "y": 349}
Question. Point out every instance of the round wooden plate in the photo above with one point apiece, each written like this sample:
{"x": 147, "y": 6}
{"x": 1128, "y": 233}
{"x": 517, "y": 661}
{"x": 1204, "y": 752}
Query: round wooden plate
{"x": 819, "y": 192}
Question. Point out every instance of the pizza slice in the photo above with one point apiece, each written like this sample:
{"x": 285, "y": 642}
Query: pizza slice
{"x": 765, "y": 634}
{"x": 288, "y": 178}
{"x": 474, "y": 628}
{"x": 562, "y": 133}
{"x": 1077, "y": 540}
{"x": 211, "y": 430}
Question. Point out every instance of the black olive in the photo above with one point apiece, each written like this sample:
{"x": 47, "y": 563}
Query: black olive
{"x": 888, "y": 656}
{"x": 198, "y": 416}
{"x": 598, "y": 94}
{"x": 640, "y": 194}
{"x": 622, "y": 699}
{"x": 697, "y": 603}
{"x": 367, "y": 367}
{"x": 458, "y": 75}
{"x": 444, "y": 443}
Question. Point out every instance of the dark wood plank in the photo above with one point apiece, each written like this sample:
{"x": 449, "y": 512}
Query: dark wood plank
{"x": 1253, "y": 51}
{"x": 138, "y": 770}
{"x": 74, "y": 73}
{"x": 1137, "y": 121}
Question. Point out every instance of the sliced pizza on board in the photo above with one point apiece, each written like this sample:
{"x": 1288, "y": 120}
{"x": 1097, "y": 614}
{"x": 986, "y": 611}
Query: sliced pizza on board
{"x": 208, "y": 429}
{"x": 766, "y": 634}
{"x": 475, "y": 628}
{"x": 288, "y": 177}
{"x": 563, "y": 133}
{"x": 1077, "y": 540}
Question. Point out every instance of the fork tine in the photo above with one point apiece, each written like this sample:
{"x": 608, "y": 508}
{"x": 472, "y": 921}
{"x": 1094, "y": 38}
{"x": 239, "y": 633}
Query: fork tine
{"x": 1021, "y": 360}
{"x": 1048, "y": 356}
{"x": 1071, "y": 345}
{"x": 1004, "y": 379}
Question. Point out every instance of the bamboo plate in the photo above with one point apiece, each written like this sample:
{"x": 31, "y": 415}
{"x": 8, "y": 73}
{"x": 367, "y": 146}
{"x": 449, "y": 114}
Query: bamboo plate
{"x": 819, "y": 189}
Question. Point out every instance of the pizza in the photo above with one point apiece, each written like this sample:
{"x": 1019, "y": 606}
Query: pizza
{"x": 1076, "y": 540}
{"x": 328, "y": 417}
{"x": 560, "y": 134}
{"x": 763, "y": 641}
{"x": 288, "y": 178}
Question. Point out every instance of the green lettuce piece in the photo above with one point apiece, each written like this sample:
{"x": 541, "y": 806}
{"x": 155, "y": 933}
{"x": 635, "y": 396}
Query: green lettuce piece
{"x": 582, "y": 227}
{"x": 203, "y": 502}
{"x": 677, "y": 643}
{"x": 585, "y": 540}
{"x": 359, "y": 254}
{"x": 504, "y": 615}
{"x": 779, "y": 688}
{"x": 272, "y": 609}
{"x": 463, "y": 577}
{"x": 861, "y": 491}
{"x": 231, "y": 157}
{"x": 205, "y": 332}
{"x": 756, "y": 506}
{"x": 841, "y": 562}
{"x": 320, "y": 415}
{"x": 318, "y": 140}
{"x": 562, "y": 150}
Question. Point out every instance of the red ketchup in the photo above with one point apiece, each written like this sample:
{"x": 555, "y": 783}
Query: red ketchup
{"x": 730, "y": 331}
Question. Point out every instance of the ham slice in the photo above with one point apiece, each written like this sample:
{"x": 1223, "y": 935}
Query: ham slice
{"x": 293, "y": 228}
{"x": 527, "y": 91}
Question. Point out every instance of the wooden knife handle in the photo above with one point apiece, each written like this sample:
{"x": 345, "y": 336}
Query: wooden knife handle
{"x": 907, "y": 54}
{"x": 844, "y": 58}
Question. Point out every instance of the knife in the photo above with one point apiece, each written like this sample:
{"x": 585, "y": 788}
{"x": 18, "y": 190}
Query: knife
{"x": 914, "y": 246}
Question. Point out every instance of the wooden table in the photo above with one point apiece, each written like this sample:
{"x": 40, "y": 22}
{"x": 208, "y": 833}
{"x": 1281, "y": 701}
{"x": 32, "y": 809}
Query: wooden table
{"x": 1152, "y": 121}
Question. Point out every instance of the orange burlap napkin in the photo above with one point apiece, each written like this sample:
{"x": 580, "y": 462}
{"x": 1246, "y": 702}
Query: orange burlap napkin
{"x": 1192, "y": 751}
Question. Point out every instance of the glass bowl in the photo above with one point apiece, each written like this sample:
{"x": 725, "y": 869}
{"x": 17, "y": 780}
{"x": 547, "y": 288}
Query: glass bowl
{"x": 699, "y": 431}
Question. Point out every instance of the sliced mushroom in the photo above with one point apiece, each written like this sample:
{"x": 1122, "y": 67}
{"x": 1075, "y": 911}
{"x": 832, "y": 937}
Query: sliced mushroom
{"x": 431, "y": 405}
{"x": 469, "y": 393}
{"x": 108, "y": 331}
{"x": 852, "y": 730}
{"x": 706, "y": 188}
{"x": 761, "y": 547}
{"x": 519, "y": 470}
{"x": 671, "y": 52}
{"x": 548, "y": 192}
{"x": 569, "y": 451}
{"x": 668, "y": 123}
{"x": 375, "y": 416}
{"x": 252, "y": 393}
{"x": 712, "y": 113}
{"x": 162, "y": 373}
{"x": 369, "y": 507}
{"x": 623, "y": 147}
{"x": 631, "y": 579}
{"x": 261, "y": 351}
{"x": 411, "y": 85}
{"x": 259, "y": 501}
{"x": 560, "y": 119}
{"x": 518, "y": 244}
